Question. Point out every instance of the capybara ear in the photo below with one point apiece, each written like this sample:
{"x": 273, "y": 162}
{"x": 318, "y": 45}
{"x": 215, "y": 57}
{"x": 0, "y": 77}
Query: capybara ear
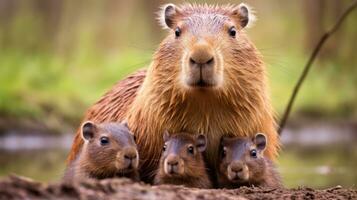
{"x": 243, "y": 15}
{"x": 166, "y": 136}
{"x": 201, "y": 143}
{"x": 260, "y": 141}
{"x": 88, "y": 130}
{"x": 125, "y": 123}
{"x": 168, "y": 16}
{"x": 224, "y": 140}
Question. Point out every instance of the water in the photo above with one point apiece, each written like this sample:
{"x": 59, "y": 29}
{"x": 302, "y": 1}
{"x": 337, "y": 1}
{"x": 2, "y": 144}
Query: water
{"x": 317, "y": 156}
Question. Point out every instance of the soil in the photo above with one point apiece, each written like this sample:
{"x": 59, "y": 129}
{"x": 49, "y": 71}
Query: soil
{"x": 15, "y": 187}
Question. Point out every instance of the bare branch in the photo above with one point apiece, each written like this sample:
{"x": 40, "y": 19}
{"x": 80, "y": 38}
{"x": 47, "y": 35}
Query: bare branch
{"x": 311, "y": 60}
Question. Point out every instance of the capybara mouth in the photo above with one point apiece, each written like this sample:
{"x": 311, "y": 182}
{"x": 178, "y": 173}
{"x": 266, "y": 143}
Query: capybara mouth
{"x": 202, "y": 84}
{"x": 237, "y": 179}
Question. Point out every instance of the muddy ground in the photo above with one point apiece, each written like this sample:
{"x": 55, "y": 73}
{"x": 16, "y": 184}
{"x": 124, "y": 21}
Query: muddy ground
{"x": 15, "y": 187}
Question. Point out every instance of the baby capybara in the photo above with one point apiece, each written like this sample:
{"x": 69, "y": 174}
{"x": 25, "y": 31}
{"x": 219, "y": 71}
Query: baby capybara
{"x": 109, "y": 151}
{"x": 242, "y": 163}
{"x": 182, "y": 161}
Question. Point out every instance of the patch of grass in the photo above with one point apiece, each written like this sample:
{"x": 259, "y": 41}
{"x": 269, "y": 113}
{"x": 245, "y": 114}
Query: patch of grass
{"x": 47, "y": 165}
{"x": 319, "y": 167}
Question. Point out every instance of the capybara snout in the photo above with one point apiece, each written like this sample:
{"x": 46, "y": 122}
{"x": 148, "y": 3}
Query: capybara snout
{"x": 173, "y": 164}
{"x": 127, "y": 158}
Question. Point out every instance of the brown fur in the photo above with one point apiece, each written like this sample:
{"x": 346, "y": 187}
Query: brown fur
{"x": 192, "y": 166}
{"x": 105, "y": 161}
{"x": 258, "y": 171}
{"x": 238, "y": 106}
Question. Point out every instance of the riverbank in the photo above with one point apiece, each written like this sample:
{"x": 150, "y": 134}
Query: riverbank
{"x": 21, "y": 188}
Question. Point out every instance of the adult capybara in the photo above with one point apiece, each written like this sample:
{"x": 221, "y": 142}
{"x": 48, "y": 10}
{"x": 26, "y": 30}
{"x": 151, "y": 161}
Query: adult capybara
{"x": 206, "y": 77}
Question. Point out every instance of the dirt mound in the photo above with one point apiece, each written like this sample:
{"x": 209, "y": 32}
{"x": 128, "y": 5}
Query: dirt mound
{"x": 15, "y": 187}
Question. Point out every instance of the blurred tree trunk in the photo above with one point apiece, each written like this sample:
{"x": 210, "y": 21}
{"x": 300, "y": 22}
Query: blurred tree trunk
{"x": 151, "y": 9}
{"x": 335, "y": 10}
{"x": 7, "y": 12}
{"x": 50, "y": 12}
{"x": 314, "y": 15}
{"x": 7, "y": 8}
{"x": 320, "y": 15}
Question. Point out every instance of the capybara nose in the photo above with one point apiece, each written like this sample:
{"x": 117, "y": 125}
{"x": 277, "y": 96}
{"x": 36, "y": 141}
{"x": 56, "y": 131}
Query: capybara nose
{"x": 237, "y": 169}
{"x": 201, "y": 56}
{"x": 201, "y": 62}
{"x": 130, "y": 154}
{"x": 173, "y": 163}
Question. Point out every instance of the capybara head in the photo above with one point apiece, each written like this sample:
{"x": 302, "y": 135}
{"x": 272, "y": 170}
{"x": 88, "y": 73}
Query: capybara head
{"x": 109, "y": 148}
{"x": 207, "y": 47}
{"x": 241, "y": 159}
{"x": 182, "y": 155}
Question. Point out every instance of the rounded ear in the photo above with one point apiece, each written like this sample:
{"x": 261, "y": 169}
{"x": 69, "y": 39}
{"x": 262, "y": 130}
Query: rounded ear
{"x": 260, "y": 141}
{"x": 243, "y": 15}
{"x": 88, "y": 130}
{"x": 166, "y": 135}
{"x": 167, "y": 15}
{"x": 224, "y": 140}
{"x": 125, "y": 123}
{"x": 201, "y": 142}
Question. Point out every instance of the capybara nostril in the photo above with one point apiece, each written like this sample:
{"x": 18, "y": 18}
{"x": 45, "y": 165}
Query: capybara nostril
{"x": 130, "y": 157}
{"x": 201, "y": 55}
{"x": 130, "y": 153}
{"x": 236, "y": 167}
{"x": 172, "y": 162}
{"x": 201, "y": 63}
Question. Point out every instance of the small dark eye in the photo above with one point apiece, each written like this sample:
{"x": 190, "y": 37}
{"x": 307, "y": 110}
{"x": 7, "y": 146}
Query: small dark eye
{"x": 104, "y": 140}
{"x": 190, "y": 149}
{"x": 253, "y": 153}
{"x": 177, "y": 32}
{"x": 232, "y": 31}
{"x": 134, "y": 138}
{"x": 164, "y": 148}
{"x": 224, "y": 152}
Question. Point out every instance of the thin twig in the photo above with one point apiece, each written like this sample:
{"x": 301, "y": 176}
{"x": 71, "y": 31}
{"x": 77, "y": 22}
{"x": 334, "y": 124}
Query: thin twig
{"x": 310, "y": 61}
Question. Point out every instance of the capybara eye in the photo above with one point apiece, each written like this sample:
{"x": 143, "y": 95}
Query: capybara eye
{"x": 164, "y": 148}
{"x": 224, "y": 153}
{"x": 177, "y": 32}
{"x": 134, "y": 138}
{"x": 253, "y": 153}
{"x": 232, "y": 31}
{"x": 104, "y": 140}
{"x": 190, "y": 150}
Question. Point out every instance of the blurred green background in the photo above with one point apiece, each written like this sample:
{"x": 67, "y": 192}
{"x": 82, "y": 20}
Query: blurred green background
{"x": 57, "y": 57}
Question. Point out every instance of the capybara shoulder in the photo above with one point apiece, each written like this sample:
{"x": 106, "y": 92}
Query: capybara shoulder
{"x": 242, "y": 163}
{"x": 109, "y": 151}
{"x": 182, "y": 162}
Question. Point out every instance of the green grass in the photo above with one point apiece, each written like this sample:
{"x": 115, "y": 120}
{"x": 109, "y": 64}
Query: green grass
{"x": 319, "y": 167}
{"x": 47, "y": 165}
{"x": 47, "y": 87}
